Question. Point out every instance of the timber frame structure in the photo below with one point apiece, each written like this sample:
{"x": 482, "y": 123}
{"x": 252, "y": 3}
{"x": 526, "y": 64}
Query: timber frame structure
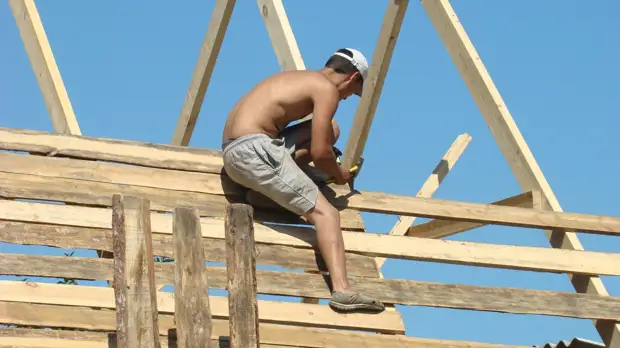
{"x": 132, "y": 201}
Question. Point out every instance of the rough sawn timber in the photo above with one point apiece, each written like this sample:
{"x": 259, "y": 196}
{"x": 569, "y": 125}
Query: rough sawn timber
{"x": 392, "y": 291}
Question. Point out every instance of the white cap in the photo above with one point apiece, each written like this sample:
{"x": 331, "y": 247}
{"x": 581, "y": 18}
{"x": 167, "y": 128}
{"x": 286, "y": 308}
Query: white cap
{"x": 358, "y": 60}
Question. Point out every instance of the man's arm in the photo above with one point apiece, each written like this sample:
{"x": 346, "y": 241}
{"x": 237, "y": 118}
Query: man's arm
{"x": 325, "y": 97}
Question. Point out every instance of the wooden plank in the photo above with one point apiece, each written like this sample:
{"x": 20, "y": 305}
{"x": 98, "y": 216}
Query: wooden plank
{"x": 363, "y": 201}
{"x": 100, "y": 194}
{"x": 241, "y": 274}
{"x": 269, "y": 311}
{"x": 510, "y": 140}
{"x": 368, "y": 244}
{"x": 69, "y": 237}
{"x": 123, "y": 151}
{"x": 209, "y": 51}
{"x": 85, "y": 318}
{"x": 44, "y": 66}
{"x": 431, "y": 184}
{"x": 281, "y": 35}
{"x": 134, "y": 275}
{"x": 390, "y": 291}
{"x": 445, "y": 228}
{"x": 87, "y": 339}
{"x": 191, "y": 288}
{"x": 381, "y": 58}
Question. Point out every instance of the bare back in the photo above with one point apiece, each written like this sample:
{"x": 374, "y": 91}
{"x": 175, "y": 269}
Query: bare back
{"x": 275, "y": 102}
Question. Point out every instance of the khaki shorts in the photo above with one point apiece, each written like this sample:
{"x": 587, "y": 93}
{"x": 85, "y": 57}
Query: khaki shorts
{"x": 266, "y": 165}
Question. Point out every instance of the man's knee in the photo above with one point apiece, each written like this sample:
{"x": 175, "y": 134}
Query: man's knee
{"x": 324, "y": 209}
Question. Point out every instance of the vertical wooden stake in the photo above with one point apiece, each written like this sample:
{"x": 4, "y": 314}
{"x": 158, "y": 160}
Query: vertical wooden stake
{"x": 241, "y": 269}
{"x": 191, "y": 289}
{"x": 134, "y": 276}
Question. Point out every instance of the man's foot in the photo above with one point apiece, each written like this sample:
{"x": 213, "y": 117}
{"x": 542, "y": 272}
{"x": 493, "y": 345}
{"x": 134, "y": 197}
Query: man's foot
{"x": 349, "y": 301}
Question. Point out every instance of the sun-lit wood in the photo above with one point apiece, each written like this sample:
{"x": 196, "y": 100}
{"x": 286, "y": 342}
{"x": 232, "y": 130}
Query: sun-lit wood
{"x": 160, "y": 211}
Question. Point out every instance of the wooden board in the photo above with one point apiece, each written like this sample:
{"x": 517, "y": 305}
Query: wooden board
{"x": 100, "y": 194}
{"x": 103, "y": 320}
{"x": 215, "y": 249}
{"x": 390, "y": 291}
{"x": 366, "y": 201}
{"x": 269, "y": 311}
{"x": 369, "y": 244}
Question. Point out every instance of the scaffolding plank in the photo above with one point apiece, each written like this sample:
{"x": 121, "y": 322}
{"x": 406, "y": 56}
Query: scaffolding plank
{"x": 391, "y": 291}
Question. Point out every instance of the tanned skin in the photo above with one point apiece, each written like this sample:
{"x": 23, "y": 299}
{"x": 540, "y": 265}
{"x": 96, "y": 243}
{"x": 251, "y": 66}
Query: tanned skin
{"x": 288, "y": 96}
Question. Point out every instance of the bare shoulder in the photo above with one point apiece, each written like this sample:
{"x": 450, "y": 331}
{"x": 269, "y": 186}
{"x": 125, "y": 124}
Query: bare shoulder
{"x": 318, "y": 84}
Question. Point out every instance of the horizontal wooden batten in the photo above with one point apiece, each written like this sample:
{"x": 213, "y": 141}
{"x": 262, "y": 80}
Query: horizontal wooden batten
{"x": 122, "y": 151}
{"x": 363, "y": 201}
{"x": 368, "y": 244}
{"x": 405, "y": 292}
{"x": 70, "y": 237}
{"x": 446, "y": 228}
{"x": 104, "y": 320}
{"x": 269, "y": 311}
{"x": 100, "y": 194}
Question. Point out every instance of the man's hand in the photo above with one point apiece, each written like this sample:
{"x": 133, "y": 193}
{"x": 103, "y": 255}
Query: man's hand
{"x": 344, "y": 177}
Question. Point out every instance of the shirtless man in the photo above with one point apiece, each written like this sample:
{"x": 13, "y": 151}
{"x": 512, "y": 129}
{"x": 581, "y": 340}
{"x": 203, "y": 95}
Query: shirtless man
{"x": 264, "y": 156}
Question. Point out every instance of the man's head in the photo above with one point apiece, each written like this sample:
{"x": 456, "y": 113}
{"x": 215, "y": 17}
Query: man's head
{"x": 351, "y": 68}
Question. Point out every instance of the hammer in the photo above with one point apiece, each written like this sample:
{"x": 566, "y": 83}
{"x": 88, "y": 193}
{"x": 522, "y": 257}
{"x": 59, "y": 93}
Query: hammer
{"x": 354, "y": 173}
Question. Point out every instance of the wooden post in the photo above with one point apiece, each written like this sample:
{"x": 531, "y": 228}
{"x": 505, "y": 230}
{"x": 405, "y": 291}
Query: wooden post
{"x": 241, "y": 269}
{"x": 192, "y": 311}
{"x": 134, "y": 276}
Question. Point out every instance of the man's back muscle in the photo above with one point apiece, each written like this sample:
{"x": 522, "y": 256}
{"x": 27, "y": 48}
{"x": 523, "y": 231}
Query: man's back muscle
{"x": 275, "y": 102}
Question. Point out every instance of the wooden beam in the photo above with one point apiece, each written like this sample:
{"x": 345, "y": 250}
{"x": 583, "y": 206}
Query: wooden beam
{"x": 389, "y": 291}
{"x": 191, "y": 288}
{"x": 369, "y": 244}
{"x": 446, "y": 228}
{"x": 205, "y": 65}
{"x": 44, "y": 66}
{"x": 269, "y": 311}
{"x": 69, "y": 237}
{"x": 363, "y": 201}
{"x": 241, "y": 272}
{"x": 281, "y": 35}
{"x": 286, "y": 335}
{"x": 381, "y": 58}
{"x": 100, "y": 194}
{"x": 431, "y": 184}
{"x": 510, "y": 140}
{"x": 134, "y": 275}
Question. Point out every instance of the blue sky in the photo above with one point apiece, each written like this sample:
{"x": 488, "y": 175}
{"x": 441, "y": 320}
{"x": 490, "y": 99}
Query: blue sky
{"x": 127, "y": 65}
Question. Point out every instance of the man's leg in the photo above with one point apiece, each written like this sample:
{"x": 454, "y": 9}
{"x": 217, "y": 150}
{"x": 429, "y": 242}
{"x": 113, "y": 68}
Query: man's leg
{"x": 326, "y": 220}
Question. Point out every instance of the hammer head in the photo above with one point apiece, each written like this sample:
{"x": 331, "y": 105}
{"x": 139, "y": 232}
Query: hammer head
{"x": 355, "y": 171}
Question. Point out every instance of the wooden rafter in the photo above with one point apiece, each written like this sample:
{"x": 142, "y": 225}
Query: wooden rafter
{"x": 431, "y": 184}
{"x": 281, "y": 35}
{"x": 201, "y": 77}
{"x": 510, "y": 140}
{"x": 373, "y": 85}
{"x": 44, "y": 66}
